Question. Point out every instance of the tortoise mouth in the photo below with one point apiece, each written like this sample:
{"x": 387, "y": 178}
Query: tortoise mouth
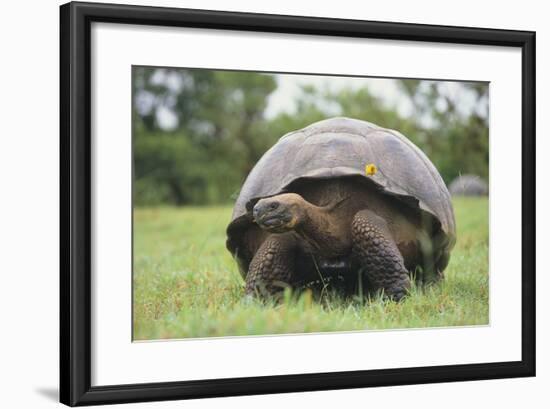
{"x": 273, "y": 222}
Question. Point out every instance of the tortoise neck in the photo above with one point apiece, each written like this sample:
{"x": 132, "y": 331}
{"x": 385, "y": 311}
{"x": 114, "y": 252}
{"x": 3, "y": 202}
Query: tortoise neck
{"x": 319, "y": 229}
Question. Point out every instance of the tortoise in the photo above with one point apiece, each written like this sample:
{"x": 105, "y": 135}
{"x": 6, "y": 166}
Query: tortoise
{"x": 468, "y": 185}
{"x": 342, "y": 199}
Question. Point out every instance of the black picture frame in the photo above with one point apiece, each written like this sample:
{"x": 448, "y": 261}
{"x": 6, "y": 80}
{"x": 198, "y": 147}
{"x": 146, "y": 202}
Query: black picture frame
{"x": 76, "y": 199}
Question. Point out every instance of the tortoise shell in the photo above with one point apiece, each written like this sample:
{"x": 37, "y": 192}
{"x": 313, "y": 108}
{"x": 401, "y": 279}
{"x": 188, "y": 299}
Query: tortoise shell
{"x": 468, "y": 185}
{"x": 343, "y": 147}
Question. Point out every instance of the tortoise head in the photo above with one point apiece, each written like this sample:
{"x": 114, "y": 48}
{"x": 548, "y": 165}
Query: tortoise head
{"x": 281, "y": 213}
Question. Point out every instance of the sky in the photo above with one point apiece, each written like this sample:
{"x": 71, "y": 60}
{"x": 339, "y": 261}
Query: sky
{"x": 288, "y": 89}
{"x": 388, "y": 90}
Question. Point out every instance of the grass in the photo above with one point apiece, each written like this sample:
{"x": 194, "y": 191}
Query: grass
{"x": 186, "y": 283}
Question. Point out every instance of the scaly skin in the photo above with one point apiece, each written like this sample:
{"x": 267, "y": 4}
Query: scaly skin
{"x": 271, "y": 269}
{"x": 378, "y": 255}
{"x": 296, "y": 226}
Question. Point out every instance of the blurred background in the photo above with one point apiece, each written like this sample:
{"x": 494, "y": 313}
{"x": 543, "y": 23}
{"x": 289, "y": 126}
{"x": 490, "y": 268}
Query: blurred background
{"x": 197, "y": 133}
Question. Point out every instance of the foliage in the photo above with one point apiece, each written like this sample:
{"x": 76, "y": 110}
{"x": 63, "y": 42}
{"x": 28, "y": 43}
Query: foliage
{"x": 217, "y": 128}
{"x": 208, "y": 154}
{"x": 187, "y": 285}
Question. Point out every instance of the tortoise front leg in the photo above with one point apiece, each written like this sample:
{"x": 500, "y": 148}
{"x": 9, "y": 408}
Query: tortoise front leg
{"x": 271, "y": 270}
{"x": 378, "y": 256}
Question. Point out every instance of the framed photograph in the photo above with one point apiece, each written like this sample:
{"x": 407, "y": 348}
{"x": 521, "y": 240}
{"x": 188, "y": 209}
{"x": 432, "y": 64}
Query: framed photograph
{"x": 259, "y": 203}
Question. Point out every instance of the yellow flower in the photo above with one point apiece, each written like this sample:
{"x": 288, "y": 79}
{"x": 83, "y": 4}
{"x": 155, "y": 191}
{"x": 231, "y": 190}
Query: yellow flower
{"x": 370, "y": 169}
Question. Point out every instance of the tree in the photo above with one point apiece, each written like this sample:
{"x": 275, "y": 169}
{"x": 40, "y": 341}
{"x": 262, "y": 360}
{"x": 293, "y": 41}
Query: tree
{"x": 212, "y": 141}
{"x": 198, "y": 133}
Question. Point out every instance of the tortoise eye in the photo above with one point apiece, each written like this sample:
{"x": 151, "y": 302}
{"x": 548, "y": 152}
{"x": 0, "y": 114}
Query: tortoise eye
{"x": 273, "y": 205}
